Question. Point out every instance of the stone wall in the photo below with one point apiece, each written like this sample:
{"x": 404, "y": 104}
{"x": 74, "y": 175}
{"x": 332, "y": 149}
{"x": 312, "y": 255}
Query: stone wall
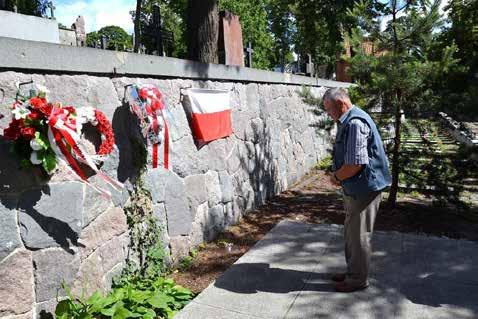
{"x": 55, "y": 229}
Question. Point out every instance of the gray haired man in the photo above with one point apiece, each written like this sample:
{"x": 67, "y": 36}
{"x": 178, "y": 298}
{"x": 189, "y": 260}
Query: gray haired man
{"x": 360, "y": 166}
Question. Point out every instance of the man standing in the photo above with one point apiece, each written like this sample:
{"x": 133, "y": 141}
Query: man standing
{"x": 360, "y": 166}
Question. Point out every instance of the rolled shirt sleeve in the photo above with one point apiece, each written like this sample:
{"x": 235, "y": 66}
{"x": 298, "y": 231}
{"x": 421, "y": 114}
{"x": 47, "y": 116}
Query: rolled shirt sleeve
{"x": 357, "y": 138}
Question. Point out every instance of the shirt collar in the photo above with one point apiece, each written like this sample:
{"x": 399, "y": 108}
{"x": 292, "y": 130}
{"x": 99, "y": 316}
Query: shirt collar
{"x": 344, "y": 116}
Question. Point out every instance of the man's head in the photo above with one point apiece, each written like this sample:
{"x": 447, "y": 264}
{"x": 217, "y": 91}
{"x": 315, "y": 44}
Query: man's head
{"x": 336, "y": 102}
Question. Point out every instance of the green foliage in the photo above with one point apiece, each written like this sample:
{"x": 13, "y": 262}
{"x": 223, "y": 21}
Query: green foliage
{"x": 325, "y": 163}
{"x": 117, "y": 38}
{"x": 173, "y": 13}
{"x": 324, "y": 123}
{"x": 150, "y": 299}
{"x": 28, "y": 7}
{"x": 146, "y": 241}
{"x": 457, "y": 88}
{"x": 187, "y": 261}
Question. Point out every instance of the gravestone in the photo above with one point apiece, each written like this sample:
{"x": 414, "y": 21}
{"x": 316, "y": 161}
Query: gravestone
{"x": 79, "y": 27}
{"x": 230, "y": 39}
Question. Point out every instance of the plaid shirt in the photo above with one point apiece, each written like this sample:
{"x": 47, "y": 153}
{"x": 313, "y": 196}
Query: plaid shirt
{"x": 357, "y": 139}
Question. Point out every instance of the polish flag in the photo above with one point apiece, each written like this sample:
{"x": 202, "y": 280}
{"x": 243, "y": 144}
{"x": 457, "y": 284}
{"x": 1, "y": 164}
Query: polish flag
{"x": 210, "y": 114}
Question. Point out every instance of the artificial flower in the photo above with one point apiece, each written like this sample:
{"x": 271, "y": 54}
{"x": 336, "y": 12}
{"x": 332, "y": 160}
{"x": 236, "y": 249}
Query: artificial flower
{"x": 34, "y": 158}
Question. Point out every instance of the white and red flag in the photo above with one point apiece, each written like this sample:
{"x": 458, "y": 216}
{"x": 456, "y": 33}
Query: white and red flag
{"x": 210, "y": 114}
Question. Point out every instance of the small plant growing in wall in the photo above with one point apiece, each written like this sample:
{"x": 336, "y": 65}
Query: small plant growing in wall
{"x": 324, "y": 123}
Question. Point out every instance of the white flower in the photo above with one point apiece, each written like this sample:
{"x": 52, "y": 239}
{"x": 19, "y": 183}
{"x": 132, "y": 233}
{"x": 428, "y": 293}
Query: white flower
{"x": 35, "y": 146}
{"x": 86, "y": 115}
{"x": 42, "y": 91}
{"x": 20, "y": 112}
{"x": 34, "y": 159}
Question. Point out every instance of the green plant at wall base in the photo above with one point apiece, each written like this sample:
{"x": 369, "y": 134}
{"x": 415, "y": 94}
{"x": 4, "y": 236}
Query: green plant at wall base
{"x": 151, "y": 299}
{"x": 325, "y": 163}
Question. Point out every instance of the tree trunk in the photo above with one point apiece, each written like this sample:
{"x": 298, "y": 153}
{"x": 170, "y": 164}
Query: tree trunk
{"x": 392, "y": 198}
{"x": 137, "y": 26}
{"x": 203, "y": 30}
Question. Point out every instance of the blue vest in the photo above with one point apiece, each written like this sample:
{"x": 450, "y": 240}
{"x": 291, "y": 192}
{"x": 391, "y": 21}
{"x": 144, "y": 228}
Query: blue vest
{"x": 373, "y": 177}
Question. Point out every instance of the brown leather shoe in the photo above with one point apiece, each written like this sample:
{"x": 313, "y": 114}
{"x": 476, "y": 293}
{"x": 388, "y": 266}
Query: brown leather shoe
{"x": 338, "y": 277}
{"x": 345, "y": 287}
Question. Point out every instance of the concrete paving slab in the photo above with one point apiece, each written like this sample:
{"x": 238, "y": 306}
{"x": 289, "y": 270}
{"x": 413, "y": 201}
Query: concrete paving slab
{"x": 195, "y": 311}
{"x": 287, "y": 275}
{"x": 255, "y": 282}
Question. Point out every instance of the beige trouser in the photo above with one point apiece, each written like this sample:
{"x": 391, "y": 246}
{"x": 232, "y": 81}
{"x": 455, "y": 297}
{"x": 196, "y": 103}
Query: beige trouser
{"x": 358, "y": 228}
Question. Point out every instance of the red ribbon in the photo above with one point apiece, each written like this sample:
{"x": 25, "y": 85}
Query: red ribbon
{"x": 63, "y": 138}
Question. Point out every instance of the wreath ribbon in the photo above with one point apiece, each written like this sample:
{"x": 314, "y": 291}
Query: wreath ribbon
{"x": 62, "y": 134}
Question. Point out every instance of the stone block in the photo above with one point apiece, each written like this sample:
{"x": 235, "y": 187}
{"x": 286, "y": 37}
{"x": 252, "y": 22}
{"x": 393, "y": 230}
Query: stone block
{"x": 177, "y": 209}
{"x": 115, "y": 272}
{"x": 9, "y": 232}
{"x": 94, "y": 205}
{"x": 215, "y": 221}
{"x": 83, "y": 90}
{"x": 179, "y": 246}
{"x": 227, "y": 187}
{"x": 90, "y": 276}
{"x": 51, "y": 216}
{"x": 232, "y": 216}
{"x": 113, "y": 252}
{"x": 218, "y": 153}
{"x": 52, "y": 267}
{"x": 196, "y": 190}
{"x": 92, "y": 271}
{"x": 199, "y": 224}
{"x": 46, "y": 309}
{"x": 16, "y": 290}
{"x": 28, "y": 315}
{"x": 187, "y": 159}
{"x": 155, "y": 183}
{"x": 213, "y": 188}
{"x": 108, "y": 225}
{"x": 14, "y": 179}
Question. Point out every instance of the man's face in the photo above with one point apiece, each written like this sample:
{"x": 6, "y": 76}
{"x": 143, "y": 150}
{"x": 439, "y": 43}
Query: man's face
{"x": 332, "y": 110}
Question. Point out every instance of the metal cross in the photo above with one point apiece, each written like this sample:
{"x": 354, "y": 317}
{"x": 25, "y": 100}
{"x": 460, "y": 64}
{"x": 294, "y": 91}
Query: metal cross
{"x": 52, "y": 9}
{"x": 249, "y": 52}
{"x": 309, "y": 67}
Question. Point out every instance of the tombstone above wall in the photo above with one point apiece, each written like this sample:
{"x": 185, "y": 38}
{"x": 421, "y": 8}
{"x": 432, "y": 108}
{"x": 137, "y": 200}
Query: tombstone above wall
{"x": 80, "y": 30}
{"x": 230, "y": 40}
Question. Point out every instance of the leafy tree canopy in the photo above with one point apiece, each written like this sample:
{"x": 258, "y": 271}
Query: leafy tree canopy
{"x": 117, "y": 38}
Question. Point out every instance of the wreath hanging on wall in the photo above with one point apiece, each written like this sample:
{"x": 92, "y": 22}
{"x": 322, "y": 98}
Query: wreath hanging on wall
{"x": 47, "y": 134}
{"x": 147, "y": 104}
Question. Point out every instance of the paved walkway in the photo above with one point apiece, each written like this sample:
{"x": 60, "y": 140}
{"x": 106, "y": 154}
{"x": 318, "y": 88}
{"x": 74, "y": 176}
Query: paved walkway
{"x": 286, "y": 275}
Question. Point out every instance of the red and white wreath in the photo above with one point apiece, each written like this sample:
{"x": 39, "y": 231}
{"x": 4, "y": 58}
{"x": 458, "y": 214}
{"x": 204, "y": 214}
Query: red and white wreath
{"x": 48, "y": 134}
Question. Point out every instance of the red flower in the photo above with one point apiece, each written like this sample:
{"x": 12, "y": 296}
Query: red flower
{"x": 37, "y": 103}
{"x": 27, "y": 132}
{"x": 105, "y": 129}
{"x": 46, "y": 109}
{"x": 35, "y": 115}
{"x": 70, "y": 109}
{"x": 12, "y": 132}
